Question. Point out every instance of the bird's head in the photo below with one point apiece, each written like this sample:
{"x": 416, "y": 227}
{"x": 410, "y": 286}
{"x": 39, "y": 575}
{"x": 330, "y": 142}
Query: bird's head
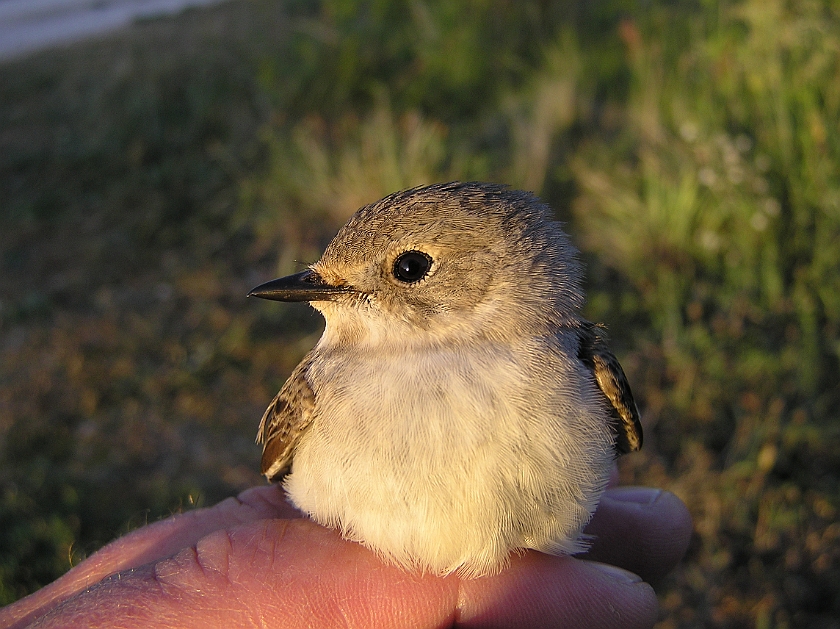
{"x": 442, "y": 262}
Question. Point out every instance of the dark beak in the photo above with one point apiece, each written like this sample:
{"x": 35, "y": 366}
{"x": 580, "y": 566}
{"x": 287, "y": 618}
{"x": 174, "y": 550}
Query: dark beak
{"x": 304, "y": 286}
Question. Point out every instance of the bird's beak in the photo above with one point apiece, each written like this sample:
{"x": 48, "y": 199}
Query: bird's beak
{"x": 304, "y": 286}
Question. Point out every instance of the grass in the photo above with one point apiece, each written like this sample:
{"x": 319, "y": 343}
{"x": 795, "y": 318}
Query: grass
{"x": 150, "y": 179}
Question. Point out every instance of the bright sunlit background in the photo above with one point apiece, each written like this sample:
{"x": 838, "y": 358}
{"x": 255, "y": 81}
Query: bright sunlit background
{"x": 148, "y": 179}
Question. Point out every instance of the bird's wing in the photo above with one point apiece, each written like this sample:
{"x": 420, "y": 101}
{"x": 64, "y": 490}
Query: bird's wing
{"x": 609, "y": 375}
{"x": 287, "y": 417}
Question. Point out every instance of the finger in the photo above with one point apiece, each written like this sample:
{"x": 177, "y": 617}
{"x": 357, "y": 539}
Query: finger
{"x": 614, "y": 476}
{"x": 284, "y": 573}
{"x": 167, "y": 537}
{"x": 150, "y": 543}
{"x": 574, "y": 588}
{"x": 543, "y": 591}
{"x": 298, "y": 574}
{"x": 644, "y": 530}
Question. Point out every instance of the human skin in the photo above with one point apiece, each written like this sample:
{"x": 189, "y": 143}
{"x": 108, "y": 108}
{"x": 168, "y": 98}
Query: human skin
{"x": 254, "y": 560}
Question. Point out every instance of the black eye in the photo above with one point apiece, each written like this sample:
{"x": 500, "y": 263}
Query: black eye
{"x": 412, "y": 266}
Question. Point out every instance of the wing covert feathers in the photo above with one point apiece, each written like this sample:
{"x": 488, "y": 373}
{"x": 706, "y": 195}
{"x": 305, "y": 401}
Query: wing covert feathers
{"x": 613, "y": 383}
{"x": 284, "y": 421}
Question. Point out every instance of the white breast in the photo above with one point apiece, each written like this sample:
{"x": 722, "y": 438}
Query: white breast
{"x": 446, "y": 460}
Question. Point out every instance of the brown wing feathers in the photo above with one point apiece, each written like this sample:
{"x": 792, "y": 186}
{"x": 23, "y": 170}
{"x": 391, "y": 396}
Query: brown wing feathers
{"x": 613, "y": 383}
{"x": 285, "y": 420}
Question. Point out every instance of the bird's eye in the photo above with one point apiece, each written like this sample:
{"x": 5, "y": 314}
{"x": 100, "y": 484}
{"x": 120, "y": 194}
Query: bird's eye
{"x": 412, "y": 266}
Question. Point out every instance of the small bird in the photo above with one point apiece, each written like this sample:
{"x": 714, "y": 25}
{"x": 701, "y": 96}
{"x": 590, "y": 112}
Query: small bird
{"x": 457, "y": 407}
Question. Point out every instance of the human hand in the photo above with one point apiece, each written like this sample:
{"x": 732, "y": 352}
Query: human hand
{"x": 254, "y": 560}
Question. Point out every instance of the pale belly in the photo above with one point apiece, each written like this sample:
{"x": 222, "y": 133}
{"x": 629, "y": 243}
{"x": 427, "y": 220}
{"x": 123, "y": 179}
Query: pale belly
{"x": 448, "y": 463}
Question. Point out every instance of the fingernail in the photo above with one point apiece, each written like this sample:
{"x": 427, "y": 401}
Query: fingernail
{"x": 617, "y": 574}
{"x": 637, "y": 495}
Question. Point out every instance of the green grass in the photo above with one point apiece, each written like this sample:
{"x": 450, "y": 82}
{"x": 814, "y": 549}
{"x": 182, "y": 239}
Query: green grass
{"x": 150, "y": 179}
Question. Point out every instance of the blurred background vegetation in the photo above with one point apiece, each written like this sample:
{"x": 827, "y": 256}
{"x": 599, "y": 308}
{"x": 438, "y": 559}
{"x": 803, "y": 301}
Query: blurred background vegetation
{"x": 148, "y": 180}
